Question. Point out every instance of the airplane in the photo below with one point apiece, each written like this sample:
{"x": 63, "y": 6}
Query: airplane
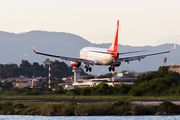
{"x": 101, "y": 56}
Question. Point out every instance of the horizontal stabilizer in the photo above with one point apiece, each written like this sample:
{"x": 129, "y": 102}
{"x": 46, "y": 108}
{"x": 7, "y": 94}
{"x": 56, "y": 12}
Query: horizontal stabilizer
{"x": 119, "y": 52}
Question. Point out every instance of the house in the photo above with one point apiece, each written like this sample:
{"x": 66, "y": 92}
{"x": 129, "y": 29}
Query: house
{"x": 174, "y": 67}
{"x": 22, "y": 84}
{"x": 93, "y": 82}
{"x": 66, "y": 86}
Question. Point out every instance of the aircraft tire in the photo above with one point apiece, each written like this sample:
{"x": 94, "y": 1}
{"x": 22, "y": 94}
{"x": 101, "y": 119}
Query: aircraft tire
{"x": 90, "y": 69}
{"x": 109, "y": 69}
{"x": 86, "y": 69}
{"x": 113, "y": 69}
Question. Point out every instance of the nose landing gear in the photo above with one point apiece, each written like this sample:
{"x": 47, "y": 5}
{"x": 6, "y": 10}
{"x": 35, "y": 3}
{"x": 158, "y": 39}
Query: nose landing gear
{"x": 87, "y": 68}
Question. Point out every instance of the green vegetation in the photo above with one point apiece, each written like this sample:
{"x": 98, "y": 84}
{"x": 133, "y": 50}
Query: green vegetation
{"x": 71, "y": 109}
{"x": 156, "y": 83}
{"x": 58, "y": 69}
{"x": 102, "y": 89}
{"x": 159, "y": 84}
{"x": 6, "y": 85}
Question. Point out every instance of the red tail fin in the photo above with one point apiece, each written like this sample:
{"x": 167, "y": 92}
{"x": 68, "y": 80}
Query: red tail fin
{"x": 115, "y": 42}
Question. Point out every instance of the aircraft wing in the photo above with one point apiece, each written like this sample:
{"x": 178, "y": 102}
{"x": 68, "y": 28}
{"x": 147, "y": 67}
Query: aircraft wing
{"x": 88, "y": 62}
{"x": 139, "y": 57}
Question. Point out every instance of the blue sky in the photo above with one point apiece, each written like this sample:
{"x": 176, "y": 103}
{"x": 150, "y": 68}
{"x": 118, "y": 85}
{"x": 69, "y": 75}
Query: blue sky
{"x": 142, "y": 22}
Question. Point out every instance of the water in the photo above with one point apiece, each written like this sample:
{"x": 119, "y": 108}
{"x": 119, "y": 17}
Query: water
{"x": 21, "y": 117}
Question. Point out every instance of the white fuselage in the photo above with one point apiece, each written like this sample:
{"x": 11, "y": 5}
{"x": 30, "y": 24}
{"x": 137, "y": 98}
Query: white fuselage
{"x": 96, "y": 54}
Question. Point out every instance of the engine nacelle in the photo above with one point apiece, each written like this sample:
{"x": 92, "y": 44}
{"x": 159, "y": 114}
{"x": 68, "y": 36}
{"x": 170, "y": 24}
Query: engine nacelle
{"x": 75, "y": 64}
{"x": 116, "y": 65}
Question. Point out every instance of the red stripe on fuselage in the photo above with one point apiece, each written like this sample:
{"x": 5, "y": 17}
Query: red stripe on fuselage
{"x": 84, "y": 54}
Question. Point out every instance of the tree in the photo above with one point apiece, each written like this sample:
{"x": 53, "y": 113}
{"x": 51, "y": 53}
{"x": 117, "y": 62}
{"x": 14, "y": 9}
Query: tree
{"x": 58, "y": 69}
{"x": 44, "y": 84}
{"x": 25, "y": 68}
{"x": 46, "y": 62}
{"x": 102, "y": 88}
{"x": 7, "y": 85}
{"x": 86, "y": 91}
{"x": 59, "y": 90}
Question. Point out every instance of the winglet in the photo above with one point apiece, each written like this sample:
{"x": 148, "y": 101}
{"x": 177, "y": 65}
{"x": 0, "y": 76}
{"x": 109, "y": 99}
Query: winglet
{"x": 174, "y": 46}
{"x": 33, "y": 47}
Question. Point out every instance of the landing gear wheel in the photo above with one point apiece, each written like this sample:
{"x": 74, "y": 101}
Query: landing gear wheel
{"x": 88, "y": 68}
{"x": 109, "y": 69}
{"x": 113, "y": 69}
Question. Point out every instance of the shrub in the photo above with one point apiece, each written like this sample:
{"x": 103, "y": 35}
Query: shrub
{"x": 31, "y": 110}
{"x": 5, "y": 105}
{"x": 59, "y": 90}
{"x": 76, "y": 91}
{"x": 51, "y": 109}
{"x": 138, "y": 109}
{"x": 167, "y": 105}
{"x": 137, "y": 92}
{"x": 86, "y": 91}
{"x": 120, "y": 103}
{"x": 34, "y": 92}
{"x": 102, "y": 88}
{"x": 18, "y": 105}
{"x": 73, "y": 103}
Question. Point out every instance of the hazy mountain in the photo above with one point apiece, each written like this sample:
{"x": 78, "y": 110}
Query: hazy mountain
{"x": 169, "y": 39}
{"x": 15, "y": 47}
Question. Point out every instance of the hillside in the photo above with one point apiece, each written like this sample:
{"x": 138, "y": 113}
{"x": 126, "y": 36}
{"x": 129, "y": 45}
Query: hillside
{"x": 15, "y": 47}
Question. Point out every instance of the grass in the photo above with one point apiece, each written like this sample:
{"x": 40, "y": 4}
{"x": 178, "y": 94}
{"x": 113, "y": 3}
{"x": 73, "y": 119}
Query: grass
{"x": 89, "y": 97}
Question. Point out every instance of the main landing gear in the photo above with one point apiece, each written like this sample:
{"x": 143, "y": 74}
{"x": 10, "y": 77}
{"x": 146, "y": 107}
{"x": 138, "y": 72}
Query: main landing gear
{"x": 111, "y": 68}
{"x": 87, "y": 68}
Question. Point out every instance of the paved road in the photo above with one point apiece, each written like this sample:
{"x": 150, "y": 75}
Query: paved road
{"x": 143, "y": 102}
{"x": 155, "y": 102}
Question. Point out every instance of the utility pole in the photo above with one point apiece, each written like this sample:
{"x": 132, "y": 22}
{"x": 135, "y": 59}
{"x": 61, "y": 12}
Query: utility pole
{"x": 112, "y": 78}
{"x": 49, "y": 63}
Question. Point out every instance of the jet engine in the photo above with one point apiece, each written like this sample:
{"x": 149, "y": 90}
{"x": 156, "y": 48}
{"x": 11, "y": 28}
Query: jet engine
{"x": 116, "y": 65}
{"x": 75, "y": 64}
